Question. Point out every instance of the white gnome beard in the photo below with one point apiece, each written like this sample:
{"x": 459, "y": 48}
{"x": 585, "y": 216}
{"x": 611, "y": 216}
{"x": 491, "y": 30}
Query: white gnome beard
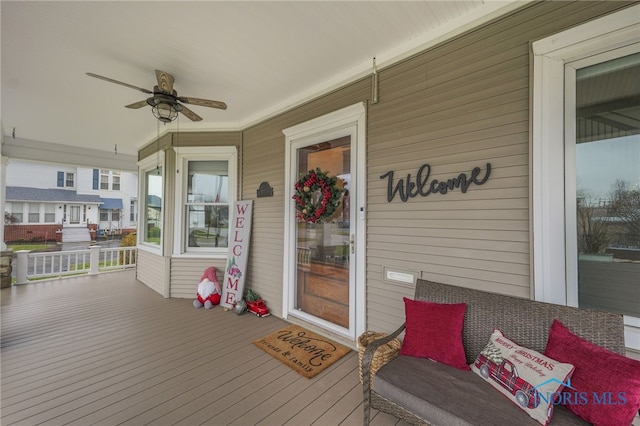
{"x": 206, "y": 288}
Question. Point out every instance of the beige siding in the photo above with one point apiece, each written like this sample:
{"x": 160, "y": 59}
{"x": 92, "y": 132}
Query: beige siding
{"x": 473, "y": 109}
{"x": 150, "y": 270}
{"x": 186, "y": 273}
{"x": 264, "y": 162}
{"x": 264, "y": 155}
{"x": 456, "y": 106}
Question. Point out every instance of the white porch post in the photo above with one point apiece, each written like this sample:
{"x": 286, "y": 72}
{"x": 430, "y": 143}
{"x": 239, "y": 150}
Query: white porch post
{"x": 22, "y": 264}
{"x": 94, "y": 259}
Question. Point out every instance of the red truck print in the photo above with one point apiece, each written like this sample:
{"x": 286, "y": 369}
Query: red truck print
{"x": 258, "y": 307}
{"x": 506, "y": 375}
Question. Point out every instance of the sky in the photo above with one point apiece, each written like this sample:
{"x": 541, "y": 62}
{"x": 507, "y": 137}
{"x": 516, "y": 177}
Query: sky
{"x": 599, "y": 164}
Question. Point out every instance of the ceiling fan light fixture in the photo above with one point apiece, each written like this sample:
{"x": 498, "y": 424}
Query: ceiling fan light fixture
{"x": 165, "y": 112}
{"x": 165, "y": 102}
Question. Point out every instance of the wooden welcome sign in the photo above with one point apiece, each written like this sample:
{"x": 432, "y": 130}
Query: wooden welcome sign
{"x": 235, "y": 272}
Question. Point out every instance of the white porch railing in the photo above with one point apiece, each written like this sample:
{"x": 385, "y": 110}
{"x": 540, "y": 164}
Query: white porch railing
{"x": 39, "y": 265}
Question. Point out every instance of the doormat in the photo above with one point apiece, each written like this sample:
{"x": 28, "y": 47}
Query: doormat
{"x": 304, "y": 351}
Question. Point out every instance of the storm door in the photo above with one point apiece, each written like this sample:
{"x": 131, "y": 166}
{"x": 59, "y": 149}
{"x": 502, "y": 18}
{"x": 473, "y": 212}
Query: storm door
{"x": 324, "y": 247}
{"x": 74, "y": 214}
{"x": 324, "y": 231}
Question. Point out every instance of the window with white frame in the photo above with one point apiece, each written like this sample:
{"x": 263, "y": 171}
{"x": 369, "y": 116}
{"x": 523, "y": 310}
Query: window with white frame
{"x": 104, "y": 179}
{"x": 69, "y": 180}
{"x": 49, "y": 213}
{"x": 115, "y": 183}
{"x": 17, "y": 212}
{"x": 34, "y": 212}
{"x": 151, "y": 188}
{"x": 586, "y": 166}
{"x": 206, "y": 194}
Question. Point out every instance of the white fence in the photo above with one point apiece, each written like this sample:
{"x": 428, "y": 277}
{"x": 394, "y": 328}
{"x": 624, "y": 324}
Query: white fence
{"x": 40, "y": 265}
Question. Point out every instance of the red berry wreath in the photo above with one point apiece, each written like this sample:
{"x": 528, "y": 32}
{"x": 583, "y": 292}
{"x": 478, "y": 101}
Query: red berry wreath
{"x": 317, "y": 196}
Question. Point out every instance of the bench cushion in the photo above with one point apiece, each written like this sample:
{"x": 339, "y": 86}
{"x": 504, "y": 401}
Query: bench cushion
{"x": 443, "y": 395}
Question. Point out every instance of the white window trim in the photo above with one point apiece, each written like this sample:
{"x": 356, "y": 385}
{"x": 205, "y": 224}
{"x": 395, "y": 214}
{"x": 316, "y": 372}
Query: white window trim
{"x": 209, "y": 153}
{"x": 73, "y": 176}
{"x": 548, "y": 132}
{"x": 144, "y": 166}
{"x": 554, "y": 276}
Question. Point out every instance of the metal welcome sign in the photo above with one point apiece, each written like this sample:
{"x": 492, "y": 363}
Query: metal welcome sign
{"x": 423, "y": 187}
{"x": 234, "y": 275}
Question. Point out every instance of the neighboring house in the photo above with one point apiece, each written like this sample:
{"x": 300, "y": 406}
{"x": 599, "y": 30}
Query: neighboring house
{"x": 68, "y": 203}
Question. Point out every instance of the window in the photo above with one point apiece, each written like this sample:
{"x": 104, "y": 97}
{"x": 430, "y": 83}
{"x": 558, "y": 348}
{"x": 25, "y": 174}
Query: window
{"x": 104, "y": 179}
{"x": 49, "y": 213}
{"x": 604, "y": 170}
{"x": 65, "y": 180}
{"x": 585, "y": 165}
{"x": 133, "y": 211}
{"x": 115, "y": 215}
{"x": 16, "y": 211}
{"x": 207, "y": 192}
{"x": 34, "y": 212}
{"x": 116, "y": 181}
{"x": 151, "y": 226}
{"x": 69, "y": 180}
{"x": 104, "y": 215}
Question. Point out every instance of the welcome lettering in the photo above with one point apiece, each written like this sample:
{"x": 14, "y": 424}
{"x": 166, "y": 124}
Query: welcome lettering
{"x": 421, "y": 185}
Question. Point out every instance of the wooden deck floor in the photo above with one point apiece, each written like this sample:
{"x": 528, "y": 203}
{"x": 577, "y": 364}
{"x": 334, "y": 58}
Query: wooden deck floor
{"x": 107, "y": 350}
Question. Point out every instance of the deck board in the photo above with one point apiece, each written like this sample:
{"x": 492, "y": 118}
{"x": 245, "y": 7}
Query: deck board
{"x": 107, "y": 350}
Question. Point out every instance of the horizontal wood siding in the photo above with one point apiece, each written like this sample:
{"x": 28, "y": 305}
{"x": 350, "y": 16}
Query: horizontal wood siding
{"x": 459, "y": 105}
{"x": 160, "y": 144}
{"x": 263, "y": 161}
{"x": 190, "y": 138}
{"x": 186, "y": 273}
{"x": 150, "y": 270}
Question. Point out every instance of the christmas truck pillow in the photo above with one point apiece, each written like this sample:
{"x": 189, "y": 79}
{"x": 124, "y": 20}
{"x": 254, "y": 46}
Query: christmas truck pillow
{"x": 528, "y": 378}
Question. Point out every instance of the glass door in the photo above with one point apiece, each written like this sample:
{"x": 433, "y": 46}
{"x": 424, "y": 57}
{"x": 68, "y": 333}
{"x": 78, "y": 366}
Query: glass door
{"x": 324, "y": 246}
{"x": 74, "y": 215}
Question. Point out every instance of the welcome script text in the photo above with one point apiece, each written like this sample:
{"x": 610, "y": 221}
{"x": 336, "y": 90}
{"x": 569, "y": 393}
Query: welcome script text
{"x": 421, "y": 185}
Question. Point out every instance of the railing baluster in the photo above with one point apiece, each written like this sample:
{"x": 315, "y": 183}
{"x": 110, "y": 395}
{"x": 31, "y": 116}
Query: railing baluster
{"x": 52, "y": 265}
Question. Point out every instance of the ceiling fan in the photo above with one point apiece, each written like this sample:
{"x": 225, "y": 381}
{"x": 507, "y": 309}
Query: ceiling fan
{"x": 164, "y": 100}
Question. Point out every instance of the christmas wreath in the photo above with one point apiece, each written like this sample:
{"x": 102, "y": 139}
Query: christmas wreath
{"x": 317, "y": 196}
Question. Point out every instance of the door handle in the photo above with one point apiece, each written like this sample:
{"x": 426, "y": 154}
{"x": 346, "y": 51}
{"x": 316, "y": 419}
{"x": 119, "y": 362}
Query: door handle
{"x": 352, "y": 243}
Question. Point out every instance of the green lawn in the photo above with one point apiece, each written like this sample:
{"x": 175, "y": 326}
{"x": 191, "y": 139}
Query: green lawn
{"x": 28, "y": 246}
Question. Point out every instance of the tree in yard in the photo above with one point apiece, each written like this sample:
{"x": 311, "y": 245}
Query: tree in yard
{"x": 9, "y": 218}
{"x": 625, "y": 207}
{"x": 593, "y": 225}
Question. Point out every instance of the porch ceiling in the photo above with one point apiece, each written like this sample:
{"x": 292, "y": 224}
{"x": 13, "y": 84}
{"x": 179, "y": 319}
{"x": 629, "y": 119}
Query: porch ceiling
{"x": 258, "y": 57}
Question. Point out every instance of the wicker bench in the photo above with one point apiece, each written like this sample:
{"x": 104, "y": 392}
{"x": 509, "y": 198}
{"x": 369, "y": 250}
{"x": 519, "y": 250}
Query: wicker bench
{"x": 524, "y": 321}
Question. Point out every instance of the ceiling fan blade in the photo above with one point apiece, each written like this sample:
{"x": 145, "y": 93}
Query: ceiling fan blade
{"x": 203, "y": 102}
{"x": 165, "y": 81}
{"x": 90, "y": 74}
{"x": 190, "y": 114}
{"x": 137, "y": 105}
